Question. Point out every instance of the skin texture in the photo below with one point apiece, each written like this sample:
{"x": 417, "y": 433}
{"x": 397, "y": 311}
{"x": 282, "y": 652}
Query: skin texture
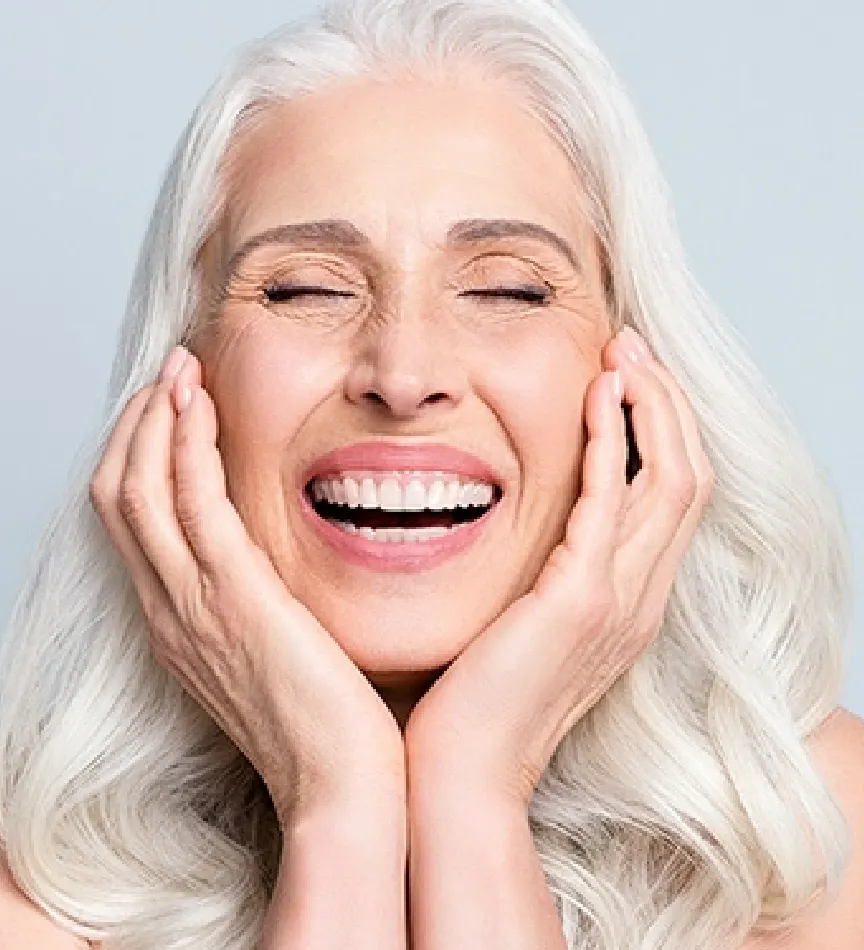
{"x": 410, "y": 356}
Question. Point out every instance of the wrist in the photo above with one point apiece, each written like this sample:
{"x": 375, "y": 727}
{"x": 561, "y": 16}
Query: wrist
{"x": 475, "y": 877}
{"x": 377, "y": 795}
{"x": 436, "y": 785}
{"x": 461, "y": 810}
{"x": 341, "y": 882}
{"x": 362, "y": 822}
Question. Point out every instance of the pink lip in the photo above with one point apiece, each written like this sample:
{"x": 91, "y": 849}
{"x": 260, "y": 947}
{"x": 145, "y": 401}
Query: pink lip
{"x": 408, "y": 556}
{"x": 390, "y": 456}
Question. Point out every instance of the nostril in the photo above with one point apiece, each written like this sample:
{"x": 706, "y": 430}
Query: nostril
{"x": 404, "y": 403}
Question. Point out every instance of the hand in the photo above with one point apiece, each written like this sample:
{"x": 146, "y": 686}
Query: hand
{"x": 222, "y": 621}
{"x": 498, "y": 713}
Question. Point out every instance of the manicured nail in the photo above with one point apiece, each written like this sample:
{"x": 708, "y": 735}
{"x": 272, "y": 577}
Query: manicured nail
{"x": 182, "y": 396}
{"x": 173, "y": 363}
{"x": 633, "y": 342}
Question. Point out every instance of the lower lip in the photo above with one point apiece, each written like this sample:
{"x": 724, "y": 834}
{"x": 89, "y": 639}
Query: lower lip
{"x": 401, "y": 557}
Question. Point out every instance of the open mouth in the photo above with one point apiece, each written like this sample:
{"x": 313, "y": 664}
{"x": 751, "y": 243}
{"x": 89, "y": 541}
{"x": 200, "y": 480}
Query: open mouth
{"x": 374, "y": 518}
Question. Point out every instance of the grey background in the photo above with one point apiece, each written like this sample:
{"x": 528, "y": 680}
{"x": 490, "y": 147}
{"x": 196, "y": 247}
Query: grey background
{"x": 754, "y": 109}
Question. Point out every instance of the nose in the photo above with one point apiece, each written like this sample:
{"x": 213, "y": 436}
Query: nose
{"x": 407, "y": 365}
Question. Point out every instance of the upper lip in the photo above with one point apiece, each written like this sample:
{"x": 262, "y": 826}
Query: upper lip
{"x": 394, "y": 456}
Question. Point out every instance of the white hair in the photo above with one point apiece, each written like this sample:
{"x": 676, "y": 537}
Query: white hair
{"x": 682, "y": 810}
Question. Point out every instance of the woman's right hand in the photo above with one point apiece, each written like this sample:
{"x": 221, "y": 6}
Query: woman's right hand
{"x": 221, "y": 619}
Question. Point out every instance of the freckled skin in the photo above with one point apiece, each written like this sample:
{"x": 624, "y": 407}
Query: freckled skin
{"x": 403, "y": 159}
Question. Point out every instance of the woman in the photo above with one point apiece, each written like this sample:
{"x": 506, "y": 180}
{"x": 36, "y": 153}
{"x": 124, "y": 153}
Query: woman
{"x": 373, "y": 574}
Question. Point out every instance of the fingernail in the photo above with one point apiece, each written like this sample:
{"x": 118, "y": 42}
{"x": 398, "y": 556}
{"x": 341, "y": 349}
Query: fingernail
{"x": 616, "y": 384}
{"x": 633, "y": 343}
{"x": 182, "y": 396}
{"x": 173, "y": 363}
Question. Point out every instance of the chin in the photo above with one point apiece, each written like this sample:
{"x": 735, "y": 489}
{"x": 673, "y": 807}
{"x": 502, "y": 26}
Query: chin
{"x": 397, "y": 637}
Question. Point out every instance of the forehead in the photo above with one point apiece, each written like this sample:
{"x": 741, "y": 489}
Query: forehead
{"x": 400, "y": 156}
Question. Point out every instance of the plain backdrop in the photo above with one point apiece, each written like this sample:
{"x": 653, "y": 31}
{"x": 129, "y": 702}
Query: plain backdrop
{"x": 755, "y": 110}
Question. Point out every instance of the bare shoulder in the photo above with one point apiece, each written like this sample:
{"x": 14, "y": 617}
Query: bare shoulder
{"x": 837, "y": 747}
{"x": 23, "y": 924}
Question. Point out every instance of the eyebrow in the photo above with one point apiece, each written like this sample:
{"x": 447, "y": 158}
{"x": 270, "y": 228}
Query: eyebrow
{"x": 340, "y": 235}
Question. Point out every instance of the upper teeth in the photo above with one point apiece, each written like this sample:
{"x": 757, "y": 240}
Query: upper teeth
{"x": 392, "y": 493}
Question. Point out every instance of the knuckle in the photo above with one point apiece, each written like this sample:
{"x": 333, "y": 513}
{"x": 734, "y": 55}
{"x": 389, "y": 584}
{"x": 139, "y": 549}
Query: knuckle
{"x": 201, "y": 603}
{"x": 140, "y": 397}
{"x": 679, "y": 487}
{"x": 706, "y": 478}
{"x": 217, "y": 601}
{"x": 186, "y": 499}
{"x": 183, "y": 439}
{"x": 99, "y": 491}
{"x": 595, "y": 609}
{"x": 132, "y": 500}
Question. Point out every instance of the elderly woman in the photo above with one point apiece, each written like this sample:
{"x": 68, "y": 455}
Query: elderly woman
{"x": 456, "y": 582}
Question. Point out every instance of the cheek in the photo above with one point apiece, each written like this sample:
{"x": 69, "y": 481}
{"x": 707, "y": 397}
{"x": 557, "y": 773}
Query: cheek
{"x": 265, "y": 379}
{"x": 536, "y": 380}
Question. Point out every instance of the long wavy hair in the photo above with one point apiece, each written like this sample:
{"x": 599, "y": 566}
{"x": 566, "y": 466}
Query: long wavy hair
{"x": 682, "y": 810}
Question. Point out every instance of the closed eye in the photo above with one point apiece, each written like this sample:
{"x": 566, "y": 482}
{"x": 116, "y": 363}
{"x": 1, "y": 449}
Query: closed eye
{"x": 283, "y": 294}
{"x": 524, "y": 294}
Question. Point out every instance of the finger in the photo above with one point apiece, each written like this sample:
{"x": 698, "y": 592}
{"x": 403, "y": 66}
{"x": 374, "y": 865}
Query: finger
{"x": 191, "y": 372}
{"x": 107, "y": 473}
{"x": 663, "y": 577}
{"x": 699, "y": 460}
{"x": 692, "y": 439}
{"x": 146, "y": 496}
{"x": 665, "y": 486}
{"x": 591, "y": 532}
{"x": 213, "y": 527}
{"x": 209, "y": 521}
{"x": 104, "y": 489}
{"x": 106, "y": 477}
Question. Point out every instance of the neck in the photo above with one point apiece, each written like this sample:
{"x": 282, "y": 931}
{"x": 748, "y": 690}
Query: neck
{"x": 402, "y": 691}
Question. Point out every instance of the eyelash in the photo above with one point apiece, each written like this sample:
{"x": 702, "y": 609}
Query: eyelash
{"x": 531, "y": 295}
{"x": 524, "y": 294}
{"x": 283, "y": 294}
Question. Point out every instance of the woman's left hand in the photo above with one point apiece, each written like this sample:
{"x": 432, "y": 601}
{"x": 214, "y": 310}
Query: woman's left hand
{"x": 493, "y": 720}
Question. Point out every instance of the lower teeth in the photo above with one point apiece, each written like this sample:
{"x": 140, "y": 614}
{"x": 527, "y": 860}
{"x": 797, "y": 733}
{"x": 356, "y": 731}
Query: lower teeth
{"x": 399, "y": 535}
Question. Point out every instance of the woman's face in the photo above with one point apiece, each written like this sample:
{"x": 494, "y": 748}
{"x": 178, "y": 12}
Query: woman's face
{"x": 413, "y": 177}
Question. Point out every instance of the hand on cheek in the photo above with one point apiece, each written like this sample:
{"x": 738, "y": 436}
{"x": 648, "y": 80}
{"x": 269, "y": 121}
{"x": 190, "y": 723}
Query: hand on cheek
{"x": 221, "y": 621}
{"x": 496, "y": 716}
